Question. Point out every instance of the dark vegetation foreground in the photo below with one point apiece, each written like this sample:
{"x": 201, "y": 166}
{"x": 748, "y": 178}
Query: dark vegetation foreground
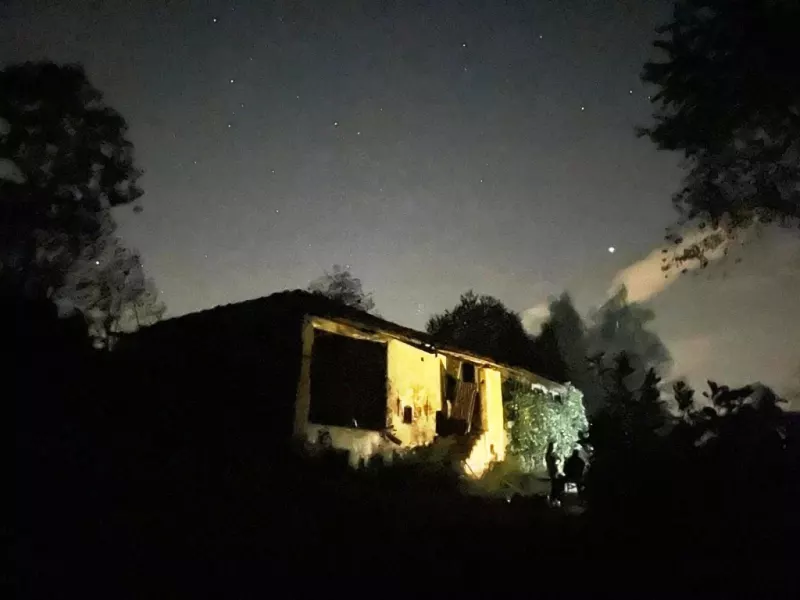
{"x": 120, "y": 493}
{"x": 144, "y": 477}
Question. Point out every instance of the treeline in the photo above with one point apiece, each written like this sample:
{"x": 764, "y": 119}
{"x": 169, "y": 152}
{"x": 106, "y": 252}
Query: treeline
{"x": 66, "y": 165}
{"x": 567, "y": 348}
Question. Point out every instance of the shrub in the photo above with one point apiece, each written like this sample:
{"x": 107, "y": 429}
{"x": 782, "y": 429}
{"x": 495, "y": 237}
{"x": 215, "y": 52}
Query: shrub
{"x": 535, "y": 418}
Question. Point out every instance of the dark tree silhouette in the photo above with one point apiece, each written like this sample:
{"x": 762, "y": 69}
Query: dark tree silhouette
{"x": 66, "y": 162}
{"x": 626, "y": 435}
{"x": 729, "y": 101}
{"x": 620, "y": 326}
{"x": 725, "y": 467}
{"x": 631, "y": 416}
{"x": 684, "y": 398}
{"x": 580, "y": 354}
{"x": 548, "y": 354}
{"x": 340, "y": 285}
{"x": 485, "y": 325}
{"x": 108, "y": 287}
{"x": 562, "y": 345}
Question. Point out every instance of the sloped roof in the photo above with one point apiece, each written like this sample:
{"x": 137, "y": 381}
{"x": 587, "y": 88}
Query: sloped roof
{"x": 292, "y": 306}
{"x": 286, "y": 305}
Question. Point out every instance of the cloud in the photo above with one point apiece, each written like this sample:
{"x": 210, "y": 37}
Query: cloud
{"x": 533, "y": 317}
{"x": 645, "y": 279}
{"x": 692, "y": 355}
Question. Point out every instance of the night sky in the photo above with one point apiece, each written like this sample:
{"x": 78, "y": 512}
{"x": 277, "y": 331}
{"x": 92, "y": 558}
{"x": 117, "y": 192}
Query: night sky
{"x": 431, "y": 146}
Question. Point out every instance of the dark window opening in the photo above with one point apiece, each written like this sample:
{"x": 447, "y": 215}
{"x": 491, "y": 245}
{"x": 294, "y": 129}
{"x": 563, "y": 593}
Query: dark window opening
{"x": 467, "y": 373}
{"x": 450, "y": 384}
{"x": 408, "y": 414}
{"x": 348, "y": 382}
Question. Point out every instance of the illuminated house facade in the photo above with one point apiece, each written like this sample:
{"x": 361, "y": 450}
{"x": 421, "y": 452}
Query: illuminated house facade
{"x": 299, "y": 365}
{"x": 375, "y": 390}
{"x": 371, "y": 391}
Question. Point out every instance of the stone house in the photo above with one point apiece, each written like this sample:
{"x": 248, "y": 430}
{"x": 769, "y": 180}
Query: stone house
{"x": 298, "y": 365}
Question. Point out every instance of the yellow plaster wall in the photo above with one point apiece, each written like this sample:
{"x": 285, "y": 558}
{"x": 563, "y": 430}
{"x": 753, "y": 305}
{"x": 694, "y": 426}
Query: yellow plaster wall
{"x": 414, "y": 379}
{"x": 491, "y": 446}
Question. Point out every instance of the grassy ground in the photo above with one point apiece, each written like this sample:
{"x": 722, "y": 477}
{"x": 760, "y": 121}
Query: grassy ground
{"x": 250, "y": 530}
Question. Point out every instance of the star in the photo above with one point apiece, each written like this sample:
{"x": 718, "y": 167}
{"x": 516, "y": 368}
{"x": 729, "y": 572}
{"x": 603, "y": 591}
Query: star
{"x": 583, "y": 108}
{"x": 464, "y": 45}
{"x": 232, "y": 80}
{"x": 229, "y": 125}
{"x": 214, "y": 20}
{"x": 611, "y": 249}
{"x": 336, "y": 123}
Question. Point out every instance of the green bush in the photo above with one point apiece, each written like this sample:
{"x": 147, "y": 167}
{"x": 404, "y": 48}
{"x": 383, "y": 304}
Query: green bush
{"x": 536, "y": 417}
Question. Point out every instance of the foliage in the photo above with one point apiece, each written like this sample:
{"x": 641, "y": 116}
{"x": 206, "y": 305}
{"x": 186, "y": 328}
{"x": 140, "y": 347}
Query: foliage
{"x": 108, "y": 286}
{"x": 484, "y": 325}
{"x": 735, "y": 409}
{"x": 68, "y": 161}
{"x": 729, "y": 101}
{"x": 536, "y": 418}
{"x": 684, "y": 397}
{"x": 726, "y": 460}
{"x": 505, "y": 479}
{"x": 620, "y": 326}
{"x": 340, "y": 285}
{"x": 563, "y": 337}
{"x": 626, "y": 436}
{"x": 632, "y": 417}
{"x": 548, "y": 354}
{"x": 584, "y": 352}
{"x": 563, "y": 344}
